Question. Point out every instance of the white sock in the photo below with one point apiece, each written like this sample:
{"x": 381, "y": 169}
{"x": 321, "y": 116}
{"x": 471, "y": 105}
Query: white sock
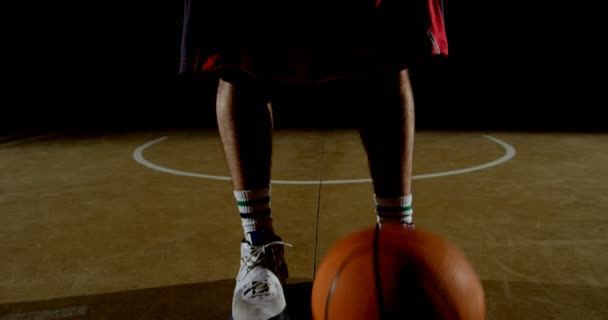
{"x": 398, "y": 209}
{"x": 254, "y": 207}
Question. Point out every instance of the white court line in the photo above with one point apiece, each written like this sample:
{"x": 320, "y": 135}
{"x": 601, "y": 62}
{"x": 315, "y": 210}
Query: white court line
{"x": 48, "y": 314}
{"x": 496, "y": 244}
{"x": 11, "y": 143}
{"x": 508, "y": 155}
{"x": 138, "y": 156}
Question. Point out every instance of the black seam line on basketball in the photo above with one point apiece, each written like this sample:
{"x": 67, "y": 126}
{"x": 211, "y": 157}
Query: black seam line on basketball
{"x": 335, "y": 280}
{"x": 255, "y": 215}
{"x": 379, "y": 300}
{"x": 253, "y": 202}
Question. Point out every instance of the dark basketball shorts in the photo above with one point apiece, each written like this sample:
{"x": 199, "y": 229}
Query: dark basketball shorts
{"x": 309, "y": 41}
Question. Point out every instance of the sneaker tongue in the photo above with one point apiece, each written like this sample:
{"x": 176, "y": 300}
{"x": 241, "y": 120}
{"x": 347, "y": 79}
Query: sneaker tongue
{"x": 260, "y": 238}
{"x": 254, "y": 238}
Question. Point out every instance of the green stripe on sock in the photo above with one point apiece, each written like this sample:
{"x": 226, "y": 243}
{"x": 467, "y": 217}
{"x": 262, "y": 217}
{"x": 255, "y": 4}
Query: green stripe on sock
{"x": 394, "y": 209}
{"x": 254, "y": 202}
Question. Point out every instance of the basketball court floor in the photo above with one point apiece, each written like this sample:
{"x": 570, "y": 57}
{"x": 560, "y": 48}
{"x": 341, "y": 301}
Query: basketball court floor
{"x": 143, "y": 224}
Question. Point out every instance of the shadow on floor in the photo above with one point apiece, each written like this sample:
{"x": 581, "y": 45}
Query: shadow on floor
{"x": 212, "y": 300}
{"x": 202, "y": 301}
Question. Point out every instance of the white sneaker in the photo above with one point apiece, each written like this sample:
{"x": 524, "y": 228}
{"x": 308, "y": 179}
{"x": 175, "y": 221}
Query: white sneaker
{"x": 259, "y": 284}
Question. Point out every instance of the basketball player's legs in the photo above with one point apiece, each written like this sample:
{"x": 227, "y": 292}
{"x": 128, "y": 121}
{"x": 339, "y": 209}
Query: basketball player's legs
{"x": 387, "y": 132}
{"x": 245, "y": 127}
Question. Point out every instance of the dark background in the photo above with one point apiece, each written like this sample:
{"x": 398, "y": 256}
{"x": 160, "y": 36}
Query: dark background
{"x": 100, "y": 65}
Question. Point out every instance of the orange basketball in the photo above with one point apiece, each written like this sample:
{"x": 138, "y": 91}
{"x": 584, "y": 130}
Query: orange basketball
{"x": 390, "y": 272}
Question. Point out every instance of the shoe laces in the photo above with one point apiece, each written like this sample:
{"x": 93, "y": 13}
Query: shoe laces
{"x": 259, "y": 252}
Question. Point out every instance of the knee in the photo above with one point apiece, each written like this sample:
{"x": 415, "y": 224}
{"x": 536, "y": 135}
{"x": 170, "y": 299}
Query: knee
{"x": 237, "y": 85}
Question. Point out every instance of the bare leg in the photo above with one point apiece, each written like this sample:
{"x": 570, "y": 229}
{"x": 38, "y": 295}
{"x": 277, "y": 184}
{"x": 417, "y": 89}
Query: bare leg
{"x": 245, "y": 126}
{"x": 387, "y": 133}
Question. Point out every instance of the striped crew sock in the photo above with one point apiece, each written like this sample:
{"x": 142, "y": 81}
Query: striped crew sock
{"x": 398, "y": 209}
{"x": 254, "y": 206}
